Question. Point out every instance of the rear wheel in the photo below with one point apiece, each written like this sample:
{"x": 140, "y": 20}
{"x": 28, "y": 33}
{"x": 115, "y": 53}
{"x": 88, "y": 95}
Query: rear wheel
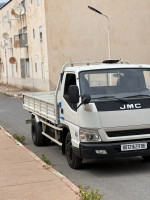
{"x": 146, "y": 158}
{"x": 37, "y": 137}
{"x": 74, "y": 161}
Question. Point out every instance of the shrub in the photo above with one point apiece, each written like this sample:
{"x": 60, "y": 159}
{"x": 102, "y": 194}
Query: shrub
{"x": 91, "y": 195}
{"x": 21, "y": 139}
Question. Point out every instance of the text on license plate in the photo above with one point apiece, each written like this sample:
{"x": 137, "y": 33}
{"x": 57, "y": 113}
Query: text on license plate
{"x": 132, "y": 147}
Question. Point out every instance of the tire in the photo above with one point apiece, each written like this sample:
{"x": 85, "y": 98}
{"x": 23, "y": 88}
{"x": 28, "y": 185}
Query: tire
{"x": 73, "y": 161}
{"x": 146, "y": 158}
{"x": 37, "y": 137}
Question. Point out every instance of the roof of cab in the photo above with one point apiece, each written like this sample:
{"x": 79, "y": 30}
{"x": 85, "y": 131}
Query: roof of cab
{"x": 104, "y": 66}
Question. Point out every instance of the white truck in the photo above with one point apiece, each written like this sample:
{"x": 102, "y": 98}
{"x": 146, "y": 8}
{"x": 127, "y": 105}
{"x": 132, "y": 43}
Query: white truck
{"x": 99, "y": 110}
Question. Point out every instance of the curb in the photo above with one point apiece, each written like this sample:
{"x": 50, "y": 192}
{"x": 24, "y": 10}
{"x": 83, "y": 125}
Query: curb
{"x": 47, "y": 167}
{"x": 12, "y": 95}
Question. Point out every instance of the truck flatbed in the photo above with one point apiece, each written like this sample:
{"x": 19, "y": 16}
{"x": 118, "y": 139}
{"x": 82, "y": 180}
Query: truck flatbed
{"x": 41, "y": 103}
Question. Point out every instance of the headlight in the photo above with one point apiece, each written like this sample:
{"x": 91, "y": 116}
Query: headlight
{"x": 89, "y": 135}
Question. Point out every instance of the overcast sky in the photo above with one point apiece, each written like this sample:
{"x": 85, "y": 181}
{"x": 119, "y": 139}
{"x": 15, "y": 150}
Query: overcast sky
{"x": 3, "y": 1}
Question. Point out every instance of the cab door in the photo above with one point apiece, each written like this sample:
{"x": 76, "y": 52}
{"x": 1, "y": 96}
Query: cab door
{"x": 68, "y": 112}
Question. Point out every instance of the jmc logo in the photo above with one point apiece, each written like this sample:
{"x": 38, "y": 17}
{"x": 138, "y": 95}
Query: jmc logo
{"x": 131, "y": 106}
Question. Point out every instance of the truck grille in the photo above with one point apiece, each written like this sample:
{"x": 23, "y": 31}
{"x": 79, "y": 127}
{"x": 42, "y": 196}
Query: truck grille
{"x": 128, "y": 133}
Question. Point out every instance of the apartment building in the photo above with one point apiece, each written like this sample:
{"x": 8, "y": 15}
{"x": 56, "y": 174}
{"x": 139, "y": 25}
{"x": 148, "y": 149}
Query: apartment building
{"x": 27, "y": 43}
{"x": 51, "y": 33}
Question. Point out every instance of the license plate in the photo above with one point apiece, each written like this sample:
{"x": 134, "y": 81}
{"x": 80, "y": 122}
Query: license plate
{"x": 133, "y": 147}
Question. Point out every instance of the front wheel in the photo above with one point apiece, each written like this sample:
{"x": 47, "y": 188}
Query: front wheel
{"x": 146, "y": 158}
{"x": 73, "y": 161}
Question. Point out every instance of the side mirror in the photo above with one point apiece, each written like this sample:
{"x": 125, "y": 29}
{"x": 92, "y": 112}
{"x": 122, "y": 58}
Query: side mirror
{"x": 86, "y": 98}
{"x": 73, "y": 93}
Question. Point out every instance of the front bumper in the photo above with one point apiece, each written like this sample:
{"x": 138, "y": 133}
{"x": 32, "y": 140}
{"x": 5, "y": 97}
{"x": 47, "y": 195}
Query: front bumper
{"x": 113, "y": 149}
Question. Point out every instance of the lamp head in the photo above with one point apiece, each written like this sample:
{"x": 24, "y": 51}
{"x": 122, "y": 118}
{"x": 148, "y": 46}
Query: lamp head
{"x": 93, "y": 9}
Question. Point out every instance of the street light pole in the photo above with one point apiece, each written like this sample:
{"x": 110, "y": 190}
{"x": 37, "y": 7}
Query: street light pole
{"x": 109, "y": 44}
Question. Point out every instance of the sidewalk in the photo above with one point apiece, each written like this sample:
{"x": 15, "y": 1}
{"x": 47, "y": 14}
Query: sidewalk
{"x": 23, "y": 176}
{"x": 12, "y": 91}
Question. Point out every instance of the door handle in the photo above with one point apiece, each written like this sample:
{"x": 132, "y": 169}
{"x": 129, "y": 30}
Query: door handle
{"x": 62, "y": 111}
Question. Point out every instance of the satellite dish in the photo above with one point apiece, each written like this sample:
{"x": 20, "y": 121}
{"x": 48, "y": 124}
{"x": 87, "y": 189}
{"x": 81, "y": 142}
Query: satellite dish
{"x": 13, "y": 13}
{"x": 6, "y": 19}
{"x": 12, "y": 60}
{"x": 5, "y": 36}
{"x": 19, "y": 10}
{"x": 16, "y": 44}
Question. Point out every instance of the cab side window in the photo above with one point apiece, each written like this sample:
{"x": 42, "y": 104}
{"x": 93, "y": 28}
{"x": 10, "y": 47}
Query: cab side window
{"x": 70, "y": 80}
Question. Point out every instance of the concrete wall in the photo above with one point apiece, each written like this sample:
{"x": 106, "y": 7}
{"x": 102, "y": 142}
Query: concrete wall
{"x": 76, "y": 33}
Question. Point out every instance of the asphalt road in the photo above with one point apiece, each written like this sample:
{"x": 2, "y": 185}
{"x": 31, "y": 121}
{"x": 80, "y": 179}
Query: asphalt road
{"x": 116, "y": 179}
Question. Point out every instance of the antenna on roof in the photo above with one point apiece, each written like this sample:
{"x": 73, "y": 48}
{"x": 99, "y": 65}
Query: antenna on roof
{"x": 19, "y": 10}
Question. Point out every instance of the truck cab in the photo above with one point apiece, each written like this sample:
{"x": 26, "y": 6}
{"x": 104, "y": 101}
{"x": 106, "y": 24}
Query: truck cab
{"x": 106, "y": 109}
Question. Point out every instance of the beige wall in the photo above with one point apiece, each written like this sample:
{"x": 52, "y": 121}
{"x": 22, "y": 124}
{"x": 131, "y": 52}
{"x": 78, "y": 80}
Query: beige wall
{"x": 76, "y": 33}
{"x": 36, "y": 51}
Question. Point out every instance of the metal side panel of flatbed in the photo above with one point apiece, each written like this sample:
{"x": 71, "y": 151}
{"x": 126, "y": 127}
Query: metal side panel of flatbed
{"x": 41, "y": 104}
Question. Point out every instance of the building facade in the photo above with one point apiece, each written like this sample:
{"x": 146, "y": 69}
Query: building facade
{"x": 51, "y": 33}
{"x": 27, "y": 43}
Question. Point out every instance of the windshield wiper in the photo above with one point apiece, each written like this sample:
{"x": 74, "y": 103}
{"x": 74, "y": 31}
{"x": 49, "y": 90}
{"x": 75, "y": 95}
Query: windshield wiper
{"x": 138, "y": 95}
{"x": 111, "y": 97}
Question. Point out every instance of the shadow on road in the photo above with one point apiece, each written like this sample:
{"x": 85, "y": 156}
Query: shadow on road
{"x": 113, "y": 167}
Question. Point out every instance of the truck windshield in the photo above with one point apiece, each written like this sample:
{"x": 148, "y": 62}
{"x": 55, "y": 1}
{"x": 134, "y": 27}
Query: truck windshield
{"x": 115, "y": 82}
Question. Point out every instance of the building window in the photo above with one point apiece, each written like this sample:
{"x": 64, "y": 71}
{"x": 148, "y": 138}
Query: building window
{"x": 35, "y": 67}
{"x": 25, "y": 68}
{"x": 22, "y": 66}
{"x": 8, "y": 16}
{"x": 25, "y": 35}
{"x": 41, "y": 34}
{"x": 22, "y": 37}
{"x": 38, "y": 2}
{"x": 42, "y": 69}
{"x": 33, "y": 34}
{"x": 28, "y": 67}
